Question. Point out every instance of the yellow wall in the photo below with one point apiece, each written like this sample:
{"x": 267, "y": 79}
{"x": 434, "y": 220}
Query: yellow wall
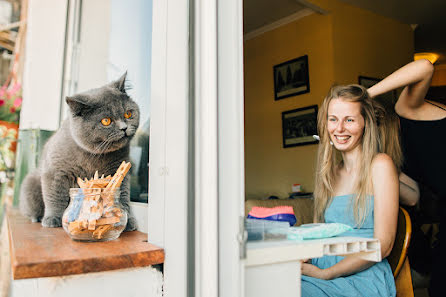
{"x": 271, "y": 169}
{"x": 345, "y": 43}
{"x": 439, "y": 77}
{"x": 368, "y": 44}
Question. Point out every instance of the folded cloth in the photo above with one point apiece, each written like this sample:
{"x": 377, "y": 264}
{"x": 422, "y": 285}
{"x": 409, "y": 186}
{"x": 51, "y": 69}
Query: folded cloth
{"x": 278, "y": 213}
{"x": 315, "y": 231}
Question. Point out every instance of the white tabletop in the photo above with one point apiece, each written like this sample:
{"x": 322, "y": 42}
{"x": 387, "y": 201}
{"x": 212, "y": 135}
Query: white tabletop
{"x": 279, "y": 251}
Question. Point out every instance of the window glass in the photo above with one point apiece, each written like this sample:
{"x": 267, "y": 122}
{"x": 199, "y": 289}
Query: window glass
{"x": 115, "y": 37}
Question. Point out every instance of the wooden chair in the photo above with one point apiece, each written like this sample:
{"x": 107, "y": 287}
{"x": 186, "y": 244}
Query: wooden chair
{"x": 398, "y": 257}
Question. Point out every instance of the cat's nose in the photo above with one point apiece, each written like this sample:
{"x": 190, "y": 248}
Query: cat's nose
{"x": 122, "y": 125}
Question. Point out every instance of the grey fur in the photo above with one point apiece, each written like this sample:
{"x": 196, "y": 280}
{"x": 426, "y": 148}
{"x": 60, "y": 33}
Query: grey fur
{"x": 81, "y": 146}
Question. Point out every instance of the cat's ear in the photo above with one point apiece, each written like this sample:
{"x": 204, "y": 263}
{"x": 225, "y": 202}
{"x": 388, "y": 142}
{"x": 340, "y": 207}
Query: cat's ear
{"x": 120, "y": 83}
{"x": 77, "y": 106}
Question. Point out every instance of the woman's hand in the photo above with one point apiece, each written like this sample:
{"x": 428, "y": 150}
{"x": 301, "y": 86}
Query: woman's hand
{"x": 314, "y": 271}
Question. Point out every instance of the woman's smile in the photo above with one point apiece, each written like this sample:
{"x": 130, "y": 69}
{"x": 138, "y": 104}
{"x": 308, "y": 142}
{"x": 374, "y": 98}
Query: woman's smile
{"x": 345, "y": 124}
{"x": 342, "y": 138}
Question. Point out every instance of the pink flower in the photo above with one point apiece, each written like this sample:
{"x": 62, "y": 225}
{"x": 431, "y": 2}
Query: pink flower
{"x": 12, "y": 109}
{"x": 2, "y": 102}
{"x": 18, "y": 102}
{"x": 16, "y": 87}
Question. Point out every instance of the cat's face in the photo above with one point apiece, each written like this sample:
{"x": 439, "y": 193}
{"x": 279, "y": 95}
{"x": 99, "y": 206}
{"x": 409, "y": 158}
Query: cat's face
{"x": 103, "y": 120}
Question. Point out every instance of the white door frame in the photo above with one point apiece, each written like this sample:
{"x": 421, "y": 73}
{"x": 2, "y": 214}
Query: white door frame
{"x": 219, "y": 147}
{"x": 206, "y": 153}
{"x": 231, "y": 161}
{"x": 168, "y": 163}
{"x": 216, "y": 155}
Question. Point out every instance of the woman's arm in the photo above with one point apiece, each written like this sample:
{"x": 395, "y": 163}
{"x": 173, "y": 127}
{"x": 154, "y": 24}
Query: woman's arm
{"x": 409, "y": 190}
{"x": 385, "y": 191}
{"x": 415, "y": 77}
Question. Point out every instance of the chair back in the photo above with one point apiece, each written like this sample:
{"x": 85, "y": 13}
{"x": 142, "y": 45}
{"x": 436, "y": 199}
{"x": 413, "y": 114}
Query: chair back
{"x": 402, "y": 239}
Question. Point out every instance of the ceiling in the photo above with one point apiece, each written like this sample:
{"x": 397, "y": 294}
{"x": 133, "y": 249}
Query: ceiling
{"x": 259, "y": 13}
{"x": 428, "y": 15}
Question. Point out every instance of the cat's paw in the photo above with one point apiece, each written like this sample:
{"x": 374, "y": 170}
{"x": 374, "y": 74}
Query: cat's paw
{"x": 35, "y": 219}
{"x": 131, "y": 225}
{"x": 51, "y": 222}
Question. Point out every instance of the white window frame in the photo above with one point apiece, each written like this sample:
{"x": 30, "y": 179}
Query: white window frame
{"x": 168, "y": 162}
{"x": 209, "y": 101}
{"x": 231, "y": 158}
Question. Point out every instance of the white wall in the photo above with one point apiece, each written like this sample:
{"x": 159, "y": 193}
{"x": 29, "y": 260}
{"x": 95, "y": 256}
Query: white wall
{"x": 43, "y": 64}
{"x": 135, "y": 282}
{"x": 94, "y": 44}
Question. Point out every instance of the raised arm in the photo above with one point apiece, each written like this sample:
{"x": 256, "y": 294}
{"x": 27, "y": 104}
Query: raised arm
{"x": 415, "y": 77}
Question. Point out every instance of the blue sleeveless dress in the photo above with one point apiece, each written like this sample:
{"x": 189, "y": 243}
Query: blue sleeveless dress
{"x": 377, "y": 280}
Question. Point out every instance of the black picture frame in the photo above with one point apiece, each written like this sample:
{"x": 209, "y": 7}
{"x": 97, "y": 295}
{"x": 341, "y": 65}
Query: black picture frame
{"x": 388, "y": 98}
{"x": 291, "y": 78}
{"x": 299, "y": 125}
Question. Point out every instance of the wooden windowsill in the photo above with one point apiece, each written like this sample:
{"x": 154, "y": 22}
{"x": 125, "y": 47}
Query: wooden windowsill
{"x": 43, "y": 252}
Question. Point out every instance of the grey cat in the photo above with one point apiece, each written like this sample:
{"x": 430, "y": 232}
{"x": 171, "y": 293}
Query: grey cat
{"x": 95, "y": 136}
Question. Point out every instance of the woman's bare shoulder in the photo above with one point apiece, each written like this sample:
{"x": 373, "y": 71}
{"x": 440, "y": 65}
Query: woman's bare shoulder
{"x": 382, "y": 163}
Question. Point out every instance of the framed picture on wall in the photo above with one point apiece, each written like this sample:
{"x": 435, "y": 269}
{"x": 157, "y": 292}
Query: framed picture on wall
{"x": 299, "y": 126}
{"x": 291, "y": 78}
{"x": 388, "y": 99}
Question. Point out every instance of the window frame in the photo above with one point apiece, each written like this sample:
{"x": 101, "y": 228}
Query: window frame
{"x": 196, "y": 178}
{"x": 169, "y": 140}
{"x": 231, "y": 148}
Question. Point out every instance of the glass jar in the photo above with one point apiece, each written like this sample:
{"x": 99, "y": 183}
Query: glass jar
{"x": 94, "y": 214}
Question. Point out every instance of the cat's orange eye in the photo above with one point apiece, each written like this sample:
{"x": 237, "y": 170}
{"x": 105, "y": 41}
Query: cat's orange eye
{"x": 128, "y": 115}
{"x": 106, "y": 121}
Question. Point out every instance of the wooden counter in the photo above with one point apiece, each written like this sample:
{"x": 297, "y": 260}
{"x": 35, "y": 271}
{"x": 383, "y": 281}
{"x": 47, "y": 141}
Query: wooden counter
{"x": 43, "y": 252}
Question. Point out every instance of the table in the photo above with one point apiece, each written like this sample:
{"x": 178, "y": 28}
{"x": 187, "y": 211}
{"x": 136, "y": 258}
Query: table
{"x": 273, "y": 268}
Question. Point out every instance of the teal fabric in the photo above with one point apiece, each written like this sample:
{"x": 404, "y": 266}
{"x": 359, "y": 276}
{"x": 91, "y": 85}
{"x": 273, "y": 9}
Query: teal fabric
{"x": 316, "y": 231}
{"x": 375, "y": 281}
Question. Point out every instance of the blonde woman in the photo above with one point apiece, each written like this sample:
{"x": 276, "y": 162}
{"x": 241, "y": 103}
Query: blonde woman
{"x": 423, "y": 138}
{"x": 360, "y": 190}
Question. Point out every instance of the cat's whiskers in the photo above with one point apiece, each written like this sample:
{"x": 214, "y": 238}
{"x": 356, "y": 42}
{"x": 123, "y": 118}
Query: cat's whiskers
{"x": 104, "y": 145}
{"x": 99, "y": 150}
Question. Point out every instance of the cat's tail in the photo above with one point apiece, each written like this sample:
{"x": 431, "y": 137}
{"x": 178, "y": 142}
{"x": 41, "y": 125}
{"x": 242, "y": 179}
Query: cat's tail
{"x": 31, "y": 198}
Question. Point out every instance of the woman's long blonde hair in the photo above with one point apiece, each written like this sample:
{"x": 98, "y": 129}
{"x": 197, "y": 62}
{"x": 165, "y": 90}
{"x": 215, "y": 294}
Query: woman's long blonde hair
{"x": 375, "y": 139}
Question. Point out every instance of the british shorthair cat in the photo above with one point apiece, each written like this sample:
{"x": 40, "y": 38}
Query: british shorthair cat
{"x": 95, "y": 136}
